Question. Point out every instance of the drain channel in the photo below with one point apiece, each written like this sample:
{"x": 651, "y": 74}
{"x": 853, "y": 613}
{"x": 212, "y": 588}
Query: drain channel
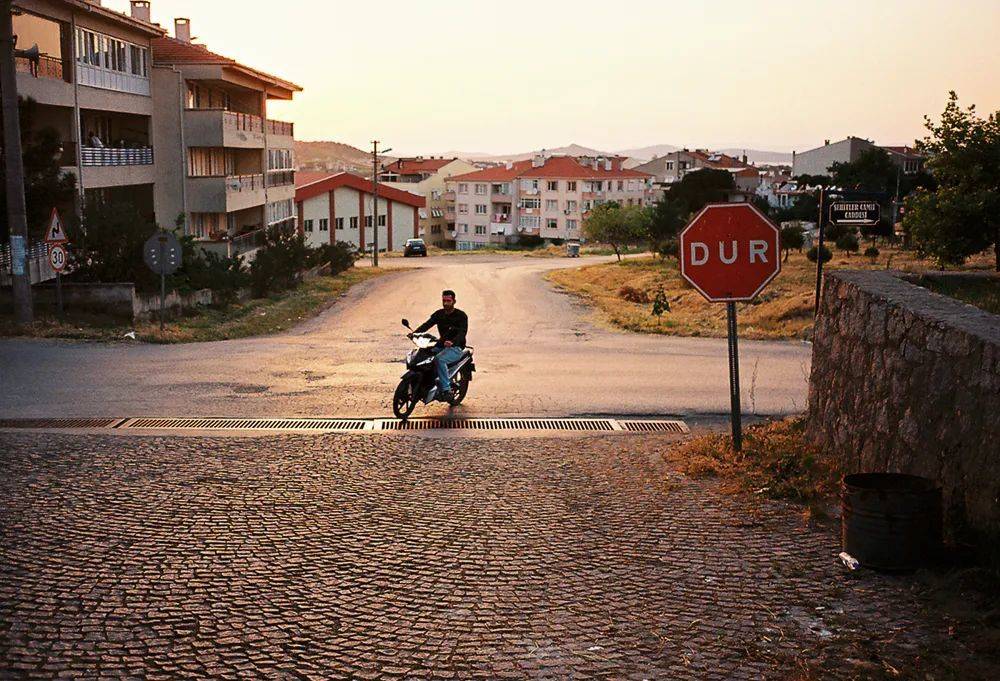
{"x": 320, "y": 425}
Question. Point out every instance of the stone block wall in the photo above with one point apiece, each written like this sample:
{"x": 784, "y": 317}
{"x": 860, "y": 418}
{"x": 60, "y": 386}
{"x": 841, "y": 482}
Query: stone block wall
{"x": 906, "y": 380}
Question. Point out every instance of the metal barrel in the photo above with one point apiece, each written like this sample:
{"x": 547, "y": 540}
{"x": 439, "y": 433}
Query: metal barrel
{"x": 891, "y": 521}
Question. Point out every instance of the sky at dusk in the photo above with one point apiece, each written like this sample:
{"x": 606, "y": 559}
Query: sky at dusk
{"x": 510, "y": 76}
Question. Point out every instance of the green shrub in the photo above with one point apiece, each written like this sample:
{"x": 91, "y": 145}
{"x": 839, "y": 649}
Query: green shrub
{"x": 670, "y": 248}
{"x": 278, "y": 263}
{"x": 871, "y": 252}
{"x": 811, "y": 254}
{"x": 848, "y": 243}
{"x": 341, "y": 256}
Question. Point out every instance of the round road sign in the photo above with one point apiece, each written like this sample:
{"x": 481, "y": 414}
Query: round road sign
{"x": 730, "y": 251}
{"x": 57, "y": 257}
{"x": 162, "y": 252}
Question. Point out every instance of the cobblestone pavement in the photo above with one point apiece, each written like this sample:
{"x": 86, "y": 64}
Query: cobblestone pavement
{"x": 399, "y": 557}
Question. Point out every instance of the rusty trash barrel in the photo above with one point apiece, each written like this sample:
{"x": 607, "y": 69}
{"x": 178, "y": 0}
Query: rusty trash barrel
{"x": 891, "y": 521}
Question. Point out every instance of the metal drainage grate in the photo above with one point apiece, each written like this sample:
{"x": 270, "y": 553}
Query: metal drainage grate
{"x": 249, "y": 424}
{"x": 655, "y": 426}
{"x": 604, "y": 425}
{"x": 58, "y": 423}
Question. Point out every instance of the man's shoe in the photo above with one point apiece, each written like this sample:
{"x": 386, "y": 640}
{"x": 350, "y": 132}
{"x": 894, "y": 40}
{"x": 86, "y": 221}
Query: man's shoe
{"x": 449, "y": 396}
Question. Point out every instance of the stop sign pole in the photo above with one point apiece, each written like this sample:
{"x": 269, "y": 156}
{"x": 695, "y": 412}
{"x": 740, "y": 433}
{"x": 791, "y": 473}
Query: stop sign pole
{"x": 729, "y": 253}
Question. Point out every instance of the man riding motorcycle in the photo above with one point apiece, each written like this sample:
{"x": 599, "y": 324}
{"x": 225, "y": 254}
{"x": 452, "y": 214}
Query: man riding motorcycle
{"x": 453, "y": 325}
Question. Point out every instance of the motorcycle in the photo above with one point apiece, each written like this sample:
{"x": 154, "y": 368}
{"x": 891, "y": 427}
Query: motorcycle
{"x": 420, "y": 384}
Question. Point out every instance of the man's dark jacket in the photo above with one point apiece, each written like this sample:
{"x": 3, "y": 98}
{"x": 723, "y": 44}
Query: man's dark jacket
{"x": 451, "y": 327}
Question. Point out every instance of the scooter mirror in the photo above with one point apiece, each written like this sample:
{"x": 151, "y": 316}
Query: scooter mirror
{"x": 406, "y": 323}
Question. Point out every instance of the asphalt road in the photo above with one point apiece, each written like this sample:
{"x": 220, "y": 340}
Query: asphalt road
{"x": 538, "y": 352}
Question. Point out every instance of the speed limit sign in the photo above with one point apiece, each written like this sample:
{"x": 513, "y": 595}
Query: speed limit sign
{"x": 57, "y": 257}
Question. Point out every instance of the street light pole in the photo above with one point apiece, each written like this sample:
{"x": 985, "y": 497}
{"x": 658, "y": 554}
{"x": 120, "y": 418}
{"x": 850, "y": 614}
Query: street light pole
{"x": 375, "y": 203}
{"x": 17, "y": 219}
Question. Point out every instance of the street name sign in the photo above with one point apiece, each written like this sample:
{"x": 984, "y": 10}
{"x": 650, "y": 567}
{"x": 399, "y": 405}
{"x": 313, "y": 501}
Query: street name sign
{"x": 56, "y": 233}
{"x": 861, "y": 213}
{"x": 57, "y": 257}
{"x": 729, "y": 253}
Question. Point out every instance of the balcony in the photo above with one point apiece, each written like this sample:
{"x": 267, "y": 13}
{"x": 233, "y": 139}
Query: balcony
{"x": 47, "y": 67}
{"x": 225, "y": 194}
{"x": 109, "y": 79}
{"x": 221, "y": 128}
{"x": 108, "y": 156}
{"x": 449, "y": 195}
{"x": 280, "y": 178}
{"x": 276, "y": 130}
{"x": 500, "y": 197}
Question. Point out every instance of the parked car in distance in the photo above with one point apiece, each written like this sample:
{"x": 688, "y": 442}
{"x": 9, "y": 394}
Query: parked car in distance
{"x": 414, "y": 247}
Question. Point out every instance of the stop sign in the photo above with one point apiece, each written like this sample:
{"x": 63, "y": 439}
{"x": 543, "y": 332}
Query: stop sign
{"x": 730, "y": 251}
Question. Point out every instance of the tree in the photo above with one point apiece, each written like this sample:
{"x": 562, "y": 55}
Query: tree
{"x": 848, "y": 242}
{"x": 617, "y": 226}
{"x": 107, "y": 247}
{"x": 792, "y": 237}
{"x": 961, "y": 217}
{"x": 46, "y": 186}
{"x": 666, "y": 219}
{"x": 815, "y": 252}
{"x": 701, "y": 187}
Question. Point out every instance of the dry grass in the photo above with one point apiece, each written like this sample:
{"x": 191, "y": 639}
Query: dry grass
{"x": 258, "y": 317}
{"x": 783, "y": 311}
{"x": 776, "y": 461}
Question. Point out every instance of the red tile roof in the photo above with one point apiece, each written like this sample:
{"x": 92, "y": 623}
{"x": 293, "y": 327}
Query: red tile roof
{"x": 561, "y": 167}
{"x": 307, "y": 187}
{"x": 168, "y": 50}
{"x": 412, "y": 166}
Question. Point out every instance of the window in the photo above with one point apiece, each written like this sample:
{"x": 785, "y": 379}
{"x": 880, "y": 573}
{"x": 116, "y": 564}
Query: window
{"x": 463, "y": 188}
{"x": 381, "y": 220}
{"x": 480, "y": 209}
{"x": 531, "y": 203}
{"x": 338, "y": 223}
{"x": 552, "y": 223}
{"x": 571, "y": 224}
{"x": 368, "y": 221}
{"x": 669, "y": 165}
{"x": 210, "y": 162}
{"x": 621, "y": 185}
{"x": 480, "y": 229}
{"x": 112, "y": 54}
{"x": 280, "y": 159}
{"x": 684, "y": 165}
{"x": 308, "y": 225}
{"x": 463, "y": 208}
{"x": 571, "y": 206}
{"x": 208, "y": 225}
{"x": 435, "y": 229}
{"x": 324, "y": 224}
{"x": 481, "y": 189}
{"x": 553, "y": 185}
{"x": 354, "y": 222}
{"x": 464, "y": 228}
{"x": 551, "y": 204}
{"x": 279, "y": 211}
{"x": 571, "y": 186}
{"x": 435, "y": 194}
{"x": 529, "y": 221}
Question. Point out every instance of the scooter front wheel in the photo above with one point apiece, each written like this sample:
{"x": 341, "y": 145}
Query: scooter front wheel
{"x": 404, "y": 400}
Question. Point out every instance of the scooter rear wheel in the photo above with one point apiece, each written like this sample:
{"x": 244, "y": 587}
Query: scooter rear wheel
{"x": 403, "y": 402}
{"x": 461, "y": 387}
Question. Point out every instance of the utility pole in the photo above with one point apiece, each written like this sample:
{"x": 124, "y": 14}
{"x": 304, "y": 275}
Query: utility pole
{"x": 17, "y": 219}
{"x": 375, "y": 202}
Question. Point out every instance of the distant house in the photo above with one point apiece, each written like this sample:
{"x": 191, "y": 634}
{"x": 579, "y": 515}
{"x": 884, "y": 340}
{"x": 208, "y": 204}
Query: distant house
{"x": 818, "y": 161}
{"x": 671, "y": 168}
{"x": 339, "y": 207}
{"x": 426, "y": 177}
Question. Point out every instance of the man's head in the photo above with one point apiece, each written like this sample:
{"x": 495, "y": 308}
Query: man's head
{"x": 448, "y": 300}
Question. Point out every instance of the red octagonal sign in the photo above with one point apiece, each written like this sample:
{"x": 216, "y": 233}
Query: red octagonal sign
{"x": 730, "y": 251}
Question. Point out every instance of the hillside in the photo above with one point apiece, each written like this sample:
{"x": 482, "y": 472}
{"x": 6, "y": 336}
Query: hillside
{"x": 334, "y": 157}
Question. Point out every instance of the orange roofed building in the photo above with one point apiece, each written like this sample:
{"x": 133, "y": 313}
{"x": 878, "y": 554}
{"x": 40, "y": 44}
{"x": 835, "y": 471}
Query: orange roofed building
{"x": 338, "y": 207}
{"x": 546, "y": 197}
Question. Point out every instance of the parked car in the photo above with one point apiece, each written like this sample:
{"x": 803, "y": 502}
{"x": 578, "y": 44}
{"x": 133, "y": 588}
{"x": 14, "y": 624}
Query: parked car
{"x": 414, "y": 247}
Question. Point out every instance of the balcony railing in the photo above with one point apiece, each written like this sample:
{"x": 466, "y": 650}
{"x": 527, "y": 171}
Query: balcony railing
{"x": 45, "y": 67}
{"x": 501, "y": 197}
{"x": 280, "y": 128}
{"x": 244, "y": 183}
{"x": 280, "y": 178}
{"x": 243, "y": 121}
{"x": 501, "y": 218}
{"x": 109, "y": 156}
{"x": 246, "y": 242}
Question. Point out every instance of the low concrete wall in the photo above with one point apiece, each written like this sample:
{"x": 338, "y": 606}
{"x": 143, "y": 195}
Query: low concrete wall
{"x": 118, "y": 300}
{"x": 906, "y": 380}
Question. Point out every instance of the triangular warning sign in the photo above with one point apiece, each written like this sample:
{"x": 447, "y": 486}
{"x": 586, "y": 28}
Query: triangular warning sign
{"x": 55, "y": 234}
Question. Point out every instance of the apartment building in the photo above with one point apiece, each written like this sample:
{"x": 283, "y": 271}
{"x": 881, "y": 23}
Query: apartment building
{"x": 547, "y": 197}
{"x": 426, "y": 177}
{"x": 818, "y": 161}
{"x": 339, "y": 207}
{"x": 92, "y": 84}
{"x": 224, "y": 165}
